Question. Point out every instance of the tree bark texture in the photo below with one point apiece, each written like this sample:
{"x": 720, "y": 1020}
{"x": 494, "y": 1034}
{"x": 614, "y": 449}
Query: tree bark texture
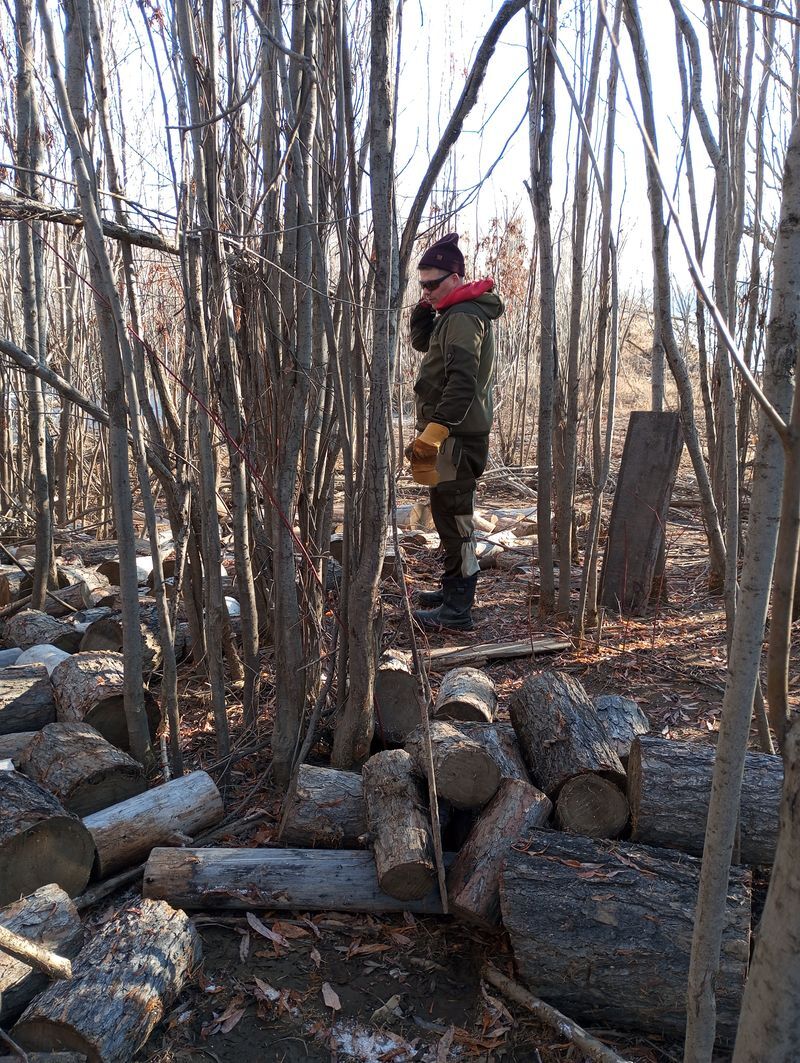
{"x": 40, "y": 842}
{"x": 396, "y": 700}
{"x": 466, "y": 694}
{"x": 316, "y": 880}
{"x": 603, "y": 931}
{"x": 169, "y": 814}
{"x": 622, "y": 720}
{"x": 79, "y": 767}
{"x": 669, "y": 789}
{"x": 46, "y": 917}
{"x": 500, "y": 742}
{"x": 467, "y": 775}
{"x": 33, "y": 628}
{"x": 123, "y": 983}
{"x": 398, "y": 819}
{"x": 324, "y": 808}
{"x": 26, "y": 699}
{"x": 89, "y": 688}
{"x": 473, "y": 881}
{"x": 559, "y": 732}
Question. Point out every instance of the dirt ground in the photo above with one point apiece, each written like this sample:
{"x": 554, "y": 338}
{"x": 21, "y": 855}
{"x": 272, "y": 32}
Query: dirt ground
{"x": 337, "y": 987}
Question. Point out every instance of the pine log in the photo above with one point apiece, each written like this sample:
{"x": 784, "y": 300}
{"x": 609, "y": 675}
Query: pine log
{"x": 106, "y": 634}
{"x": 622, "y": 720}
{"x": 11, "y": 589}
{"x": 324, "y": 807}
{"x": 124, "y": 980}
{"x": 79, "y": 767}
{"x": 166, "y": 815}
{"x": 396, "y": 699}
{"x": 466, "y": 773}
{"x": 500, "y": 742}
{"x": 337, "y": 880}
{"x": 47, "y": 918}
{"x": 397, "y": 816}
{"x": 559, "y": 732}
{"x": 168, "y": 570}
{"x": 81, "y": 584}
{"x": 466, "y": 694}
{"x": 669, "y": 786}
{"x": 95, "y": 552}
{"x": 110, "y": 569}
{"x": 32, "y": 628}
{"x": 88, "y": 688}
{"x": 473, "y": 881}
{"x": 49, "y": 656}
{"x": 26, "y": 699}
{"x": 40, "y": 842}
{"x": 13, "y": 746}
{"x": 604, "y": 931}
{"x": 446, "y": 657}
{"x": 592, "y": 806}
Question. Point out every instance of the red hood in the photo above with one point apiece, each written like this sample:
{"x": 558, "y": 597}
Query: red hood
{"x": 466, "y": 292}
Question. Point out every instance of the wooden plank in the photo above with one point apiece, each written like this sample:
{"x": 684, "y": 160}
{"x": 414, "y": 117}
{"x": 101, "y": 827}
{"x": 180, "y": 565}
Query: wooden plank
{"x": 650, "y": 460}
{"x": 446, "y": 657}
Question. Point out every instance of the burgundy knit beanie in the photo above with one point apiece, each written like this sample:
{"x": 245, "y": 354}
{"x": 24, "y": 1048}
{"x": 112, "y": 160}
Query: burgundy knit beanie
{"x": 444, "y": 254}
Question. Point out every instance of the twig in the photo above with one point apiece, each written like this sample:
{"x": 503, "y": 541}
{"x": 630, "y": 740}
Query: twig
{"x": 34, "y": 955}
{"x": 18, "y": 1052}
{"x": 549, "y": 1015}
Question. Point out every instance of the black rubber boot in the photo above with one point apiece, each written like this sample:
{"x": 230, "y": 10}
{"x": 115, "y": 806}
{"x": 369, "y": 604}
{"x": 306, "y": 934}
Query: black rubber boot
{"x": 429, "y": 599}
{"x": 455, "y": 612}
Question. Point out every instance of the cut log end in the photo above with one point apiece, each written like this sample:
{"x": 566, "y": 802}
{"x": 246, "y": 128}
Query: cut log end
{"x": 593, "y": 807}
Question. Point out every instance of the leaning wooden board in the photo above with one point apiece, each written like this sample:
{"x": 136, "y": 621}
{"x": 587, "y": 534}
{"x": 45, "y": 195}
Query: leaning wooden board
{"x": 446, "y": 657}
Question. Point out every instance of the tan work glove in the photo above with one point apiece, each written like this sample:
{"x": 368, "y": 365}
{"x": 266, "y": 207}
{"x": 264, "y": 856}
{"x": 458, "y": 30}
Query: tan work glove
{"x": 423, "y": 451}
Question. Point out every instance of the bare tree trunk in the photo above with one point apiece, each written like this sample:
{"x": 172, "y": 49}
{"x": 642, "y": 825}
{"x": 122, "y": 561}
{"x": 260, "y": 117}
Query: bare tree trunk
{"x": 783, "y": 342}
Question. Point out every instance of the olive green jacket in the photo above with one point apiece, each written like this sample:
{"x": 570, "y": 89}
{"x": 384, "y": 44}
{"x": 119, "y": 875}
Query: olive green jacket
{"x": 455, "y": 379}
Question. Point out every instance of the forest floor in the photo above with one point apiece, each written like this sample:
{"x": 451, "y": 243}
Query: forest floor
{"x": 313, "y": 997}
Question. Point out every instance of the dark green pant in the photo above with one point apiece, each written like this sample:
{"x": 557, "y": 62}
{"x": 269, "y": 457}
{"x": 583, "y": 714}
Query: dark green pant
{"x": 461, "y": 461}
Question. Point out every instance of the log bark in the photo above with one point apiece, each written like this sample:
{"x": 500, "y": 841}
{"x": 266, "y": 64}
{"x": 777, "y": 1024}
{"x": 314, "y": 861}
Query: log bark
{"x": 669, "y": 788}
{"x": 125, "y": 833}
{"x": 278, "y": 879}
{"x": 500, "y": 742}
{"x": 48, "y": 918}
{"x": 325, "y": 808}
{"x": 89, "y": 688}
{"x": 26, "y": 699}
{"x": 473, "y": 882}
{"x": 447, "y": 657}
{"x": 32, "y": 628}
{"x": 396, "y": 702}
{"x": 621, "y": 915}
{"x": 397, "y": 816}
{"x": 592, "y": 806}
{"x": 106, "y": 634}
{"x": 40, "y": 842}
{"x": 467, "y": 775}
{"x": 559, "y": 732}
{"x": 11, "y": 588}
{"x": 466, "y": 694}
{"x": 79, "y": 767}
{"x": 622, "y": 720}
{"x": 123, "y": 982}
{"x": 13, "y": 746}
{"x": 82, "y": 584}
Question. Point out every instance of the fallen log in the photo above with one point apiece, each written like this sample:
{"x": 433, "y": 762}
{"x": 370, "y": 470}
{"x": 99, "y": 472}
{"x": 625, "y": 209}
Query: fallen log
{"x": 592, "y": 806}
{"x": 622, "y": 720}
{"x": 11, "y": 584}
{"x": 446, "y": 657}
{"x": 49, "y": 656}
{"x": 279, "y": 879}
{"x": 79, "y": 767}
{"x": 396, "y": 700}
{"x": 106, "y": 634}
{"x": 40, "y": 842}
{"x": 48, "y": 918}
{"x": 170, "y": 814}
{"x": 500, "y": 742}
{"x": 549, "y": 1016}
{"x": 473, "y": 881}
{"x": 12, "y": 746}
{"x": 324, "y": 807}
{"x": 466, "y": 773}
{"x": 466, "y": 694}
{"x": 669, "y": 786}
{"x": 110, "y": 569}
{"x": 78, "y": 590}
{"x": 88, "y": 688}
{"x": 26, "y": 699}
{"x": 397, "y": 816}
{"x": 124, "y": 980}
{"x": 604, "y": 931}
{"x": 32, "y": 628}
{"x": 559, "y": 733}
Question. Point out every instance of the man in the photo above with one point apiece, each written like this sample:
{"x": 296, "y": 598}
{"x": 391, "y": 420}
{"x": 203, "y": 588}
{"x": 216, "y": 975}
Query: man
{"x": 452, "y": 323}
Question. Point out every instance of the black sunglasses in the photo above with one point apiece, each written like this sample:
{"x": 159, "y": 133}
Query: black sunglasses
{"x": 431, "y": 286}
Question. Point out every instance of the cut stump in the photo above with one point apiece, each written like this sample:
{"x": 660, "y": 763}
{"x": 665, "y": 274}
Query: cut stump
{"x": 26, "y": 698}
{"x": 592, "y": 806}
{"x": 466, "y": 773}
{"x": 466, "y": 694}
